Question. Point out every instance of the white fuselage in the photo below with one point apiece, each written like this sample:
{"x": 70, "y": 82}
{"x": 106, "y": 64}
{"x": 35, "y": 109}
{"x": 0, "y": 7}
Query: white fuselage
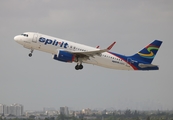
{"x": 41, "y": 42}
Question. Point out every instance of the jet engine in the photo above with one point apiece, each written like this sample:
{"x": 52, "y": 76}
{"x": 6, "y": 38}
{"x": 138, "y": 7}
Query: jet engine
{"x": 64, "y": 56}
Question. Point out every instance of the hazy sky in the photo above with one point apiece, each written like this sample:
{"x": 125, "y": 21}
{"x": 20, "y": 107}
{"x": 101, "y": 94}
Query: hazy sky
{"x": 40, "y": 81}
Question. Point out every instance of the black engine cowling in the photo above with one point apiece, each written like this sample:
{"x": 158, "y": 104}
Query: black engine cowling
{"x": 64, "y": 56}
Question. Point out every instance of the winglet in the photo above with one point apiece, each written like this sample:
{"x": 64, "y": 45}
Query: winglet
{"x": 97, "y": 46}
{"x": 110, "y": 47}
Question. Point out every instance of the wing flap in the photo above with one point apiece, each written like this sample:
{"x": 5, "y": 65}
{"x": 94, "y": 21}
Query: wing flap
{"x": 89, "y": 53}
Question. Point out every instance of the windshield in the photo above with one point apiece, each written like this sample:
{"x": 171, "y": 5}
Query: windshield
{"x": 26, "y": 35}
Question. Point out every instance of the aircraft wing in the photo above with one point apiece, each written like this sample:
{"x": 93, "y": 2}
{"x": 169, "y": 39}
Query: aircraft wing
{"x": 91, "y": 53}
{"x": 88, "y": 53}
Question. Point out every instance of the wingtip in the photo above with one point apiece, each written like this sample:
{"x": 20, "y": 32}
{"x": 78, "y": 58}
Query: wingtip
{"x": 97, "y": 46}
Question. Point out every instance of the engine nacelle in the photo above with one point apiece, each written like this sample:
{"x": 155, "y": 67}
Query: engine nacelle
{"x": 64, "y": 56}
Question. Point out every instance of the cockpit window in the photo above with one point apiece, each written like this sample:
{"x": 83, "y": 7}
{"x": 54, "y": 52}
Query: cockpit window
{"x": 26, "y": 35}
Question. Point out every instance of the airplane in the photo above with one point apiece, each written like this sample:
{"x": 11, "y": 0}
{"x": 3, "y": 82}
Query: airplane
{"x": 67, "y": 51}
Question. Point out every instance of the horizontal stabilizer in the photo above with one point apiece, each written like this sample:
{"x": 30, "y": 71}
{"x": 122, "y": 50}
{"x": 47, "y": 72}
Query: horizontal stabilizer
{"x": 146, "y": 65}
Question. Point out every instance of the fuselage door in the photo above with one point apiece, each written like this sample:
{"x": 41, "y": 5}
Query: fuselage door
{"x": 35, "y": 37}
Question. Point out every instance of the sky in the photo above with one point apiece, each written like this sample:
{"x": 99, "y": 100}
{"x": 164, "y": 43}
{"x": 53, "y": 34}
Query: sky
{"x": 40, "y": 81}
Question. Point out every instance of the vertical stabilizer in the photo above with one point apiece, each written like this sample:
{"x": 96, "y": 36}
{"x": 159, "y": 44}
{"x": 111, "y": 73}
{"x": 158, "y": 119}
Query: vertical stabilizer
{"x": 148, "y": 53}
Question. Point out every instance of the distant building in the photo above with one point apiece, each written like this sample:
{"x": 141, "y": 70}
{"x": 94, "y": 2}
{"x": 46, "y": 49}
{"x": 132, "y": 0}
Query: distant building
{"x": 1, "y": 109}
{"x": 14, "y": 109}
{"x": 64, "y": 111}
{"x": 5, "y": 109}
{"x": 87, "y": 111}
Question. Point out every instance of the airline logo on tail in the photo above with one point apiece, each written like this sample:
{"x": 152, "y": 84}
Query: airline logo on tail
{"x": 150, "y": 53}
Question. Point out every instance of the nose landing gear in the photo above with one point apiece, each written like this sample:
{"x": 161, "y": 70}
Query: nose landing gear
{"x": 30, "y": 54}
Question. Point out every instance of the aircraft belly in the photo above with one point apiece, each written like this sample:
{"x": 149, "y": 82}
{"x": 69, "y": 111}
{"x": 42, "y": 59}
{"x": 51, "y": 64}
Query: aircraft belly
{"x": 109, "y": 64}
{"x": 91, "y": 61}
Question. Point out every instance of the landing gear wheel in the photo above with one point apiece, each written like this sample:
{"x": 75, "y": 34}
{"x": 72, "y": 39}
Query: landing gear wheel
{"x": 79, "y": 67}
{"x": 30, "y": 54}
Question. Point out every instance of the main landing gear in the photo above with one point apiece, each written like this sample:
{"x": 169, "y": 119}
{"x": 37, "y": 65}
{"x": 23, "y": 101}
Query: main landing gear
{"x": 30, "y": 54}
{"x": 79, "y": 67}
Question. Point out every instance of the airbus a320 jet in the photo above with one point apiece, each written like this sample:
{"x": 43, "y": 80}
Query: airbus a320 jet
{"x": 67, "y": 51}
